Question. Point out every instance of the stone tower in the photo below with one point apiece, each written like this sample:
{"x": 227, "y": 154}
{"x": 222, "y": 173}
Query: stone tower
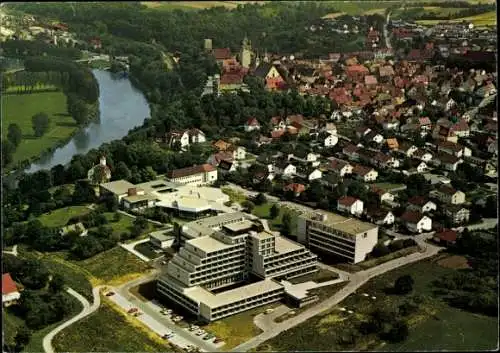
{"x": 246, "y": 53}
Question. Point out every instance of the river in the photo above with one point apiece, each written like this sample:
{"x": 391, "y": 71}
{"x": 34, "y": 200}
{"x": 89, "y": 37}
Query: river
{"x": 122, "y": 107}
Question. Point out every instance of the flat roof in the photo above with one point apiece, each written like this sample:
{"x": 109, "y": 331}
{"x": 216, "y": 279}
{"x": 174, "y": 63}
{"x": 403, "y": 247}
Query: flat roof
{"x": 118, "y": 187}
{"x": 239, "y": 226}
{"x": 137, "y": 198}
{"x": 160, "y": 236}
{"x": 351, "y": 226}
{"x": 262, "y": 235}
{"x": 283, "y": 245}
{"x": 201, "y": 295}
{"x": 208, "y": 244}
{"x": 299, "y": 290}
{"x": 158, "y": 184}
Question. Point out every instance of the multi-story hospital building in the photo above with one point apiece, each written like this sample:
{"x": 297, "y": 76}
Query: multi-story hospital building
{"x": 227, "y": 250}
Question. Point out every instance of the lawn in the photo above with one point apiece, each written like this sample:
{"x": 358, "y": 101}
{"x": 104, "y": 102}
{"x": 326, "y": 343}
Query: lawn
{"x": 19, "y": 108}
{"x": 263, "y": 211}
{"x": 192, "y": 5}
{"x": 234, "y": 195}
{"x": 108, "y": 330}
{"x": 61, "y": 216}
{"x": 114, "y": 266}
{"x": 481, "y": 20}
{"x": 239, "y": 328}
{"x": 148, "y": 250}
{"x": 433, "y": 316}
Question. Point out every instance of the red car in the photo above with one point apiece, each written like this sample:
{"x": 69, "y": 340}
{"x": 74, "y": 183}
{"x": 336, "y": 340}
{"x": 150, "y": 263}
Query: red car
{"x": 133, "y": 310}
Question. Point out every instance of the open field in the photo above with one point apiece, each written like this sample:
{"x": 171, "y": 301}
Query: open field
{"x": 454, "y": 262}
{"x": 323, "y": 331}
{"x": 234, "y": 195}
{"x": 61, "y": 216}
{"x": 19, "y": 108}
{"x": 481, "y": 20}
{"x": 459, "y": 331}
{"x": 107, "y": 330}
{"x": 114, "y": 266}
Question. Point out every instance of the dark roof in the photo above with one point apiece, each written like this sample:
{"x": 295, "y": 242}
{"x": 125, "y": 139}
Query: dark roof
{"x": 179, "y": 173}
{"x": 412, "y": 217}
{"x": 222, "y": 53}
{"x": 447, "y": 235}
{"x": 347, "y": 200}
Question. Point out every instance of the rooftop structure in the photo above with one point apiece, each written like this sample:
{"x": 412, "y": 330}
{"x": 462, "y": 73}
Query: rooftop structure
{"x": 228, "y": 250}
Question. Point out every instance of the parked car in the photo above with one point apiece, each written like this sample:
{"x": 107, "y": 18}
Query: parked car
{"x": 133, "y": 310}
{"x": 137, "y": 314}
{"x": 193, "y": 328}
{"x": 268, "y": 311}
{"x": 169, "y": 311}
{"x": 217, "y": 340}
{"x": 200, "y": 333}
{"x": 109, "y": 294}
{"x": 208, "y": 337}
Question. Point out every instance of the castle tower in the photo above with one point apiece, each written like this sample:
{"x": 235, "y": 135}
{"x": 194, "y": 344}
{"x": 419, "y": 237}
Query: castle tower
{"x": 208, "y": 45}
{"x": 102, "y": 161}
{"x": 246, "y": 53}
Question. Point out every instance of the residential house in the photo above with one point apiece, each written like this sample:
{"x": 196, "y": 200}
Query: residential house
{"x": 308, "y": 173}
{"x": 221, "y": 54}
{"x": 457, "y": 214}
{"x": 305, "y": 157}
{"x": 351, "y": 151}
{"x": 423, "y": 155}
{"x": 252, "y": 124}
{"x": 374, "y": 137}
{"x": 273, "y": 76}
{"x": 383, "y": 195}
{"x": 421, "y": 204}
{"x": 285, "y": 168}
{"x": 330, "y": 128}
{"x": 232, "y": 82}
{"x": 454, "y": 149}
{"x": 185, "y": 137}
{"x": 446, "y": 237}
{"x": 447, "y": 194}
{"x": 350, "y": 205}
{"x": 339, "y": 166}
{"x": 380, "y": 216}
{"x": 407, "y": 149}
{"x": 226, "y": 166}
{"x": 416, "y": 222}
{"x": 364, "y": 173}
{"x": 327, "y": 139}
{"x": 416, "y": 167}
{"x": 386, "y": 71}
{"x": 356, "y": 72}
{"x": 296, "y": 188}
{"x": 278, "y": 123}
{"x": 447, "y": 161}
{"x": 10, "y": 292}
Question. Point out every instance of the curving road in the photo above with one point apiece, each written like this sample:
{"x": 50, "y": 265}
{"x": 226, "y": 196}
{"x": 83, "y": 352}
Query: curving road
{"x": 386, "y": 32}
{"x": 87, "y": 310}
{"x": 357, "y": 280}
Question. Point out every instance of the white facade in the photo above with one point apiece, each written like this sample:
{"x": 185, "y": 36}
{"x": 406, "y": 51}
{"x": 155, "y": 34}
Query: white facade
{"x": 456, "y": 198}
{"x": 331, "y": 233}
{"x": 198, "y": 179}
{"x": 356, "y": 208}
{"x": 378, "y": 138}
{"x": 370, "y": 176}
{"x": 289, "y": 170}
{"x": 239, "y": 153}
{"x": 10, "y": 297}
{"x": 316, "y": 174}
{"x": 226, "y": 257}
{"x": 330, "y": 141}
{"x": 423, "y": 225}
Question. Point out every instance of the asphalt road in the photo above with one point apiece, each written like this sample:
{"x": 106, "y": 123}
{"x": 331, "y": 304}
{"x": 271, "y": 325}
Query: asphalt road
{"x": 357, "y": 280}
{"x": 386, "y": 32}
{"x": 87, "y": 310}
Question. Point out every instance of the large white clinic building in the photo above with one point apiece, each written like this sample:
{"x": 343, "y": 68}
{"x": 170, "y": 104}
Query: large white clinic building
{"x": 329, "y": 233}
{"x": 227, "y": 250}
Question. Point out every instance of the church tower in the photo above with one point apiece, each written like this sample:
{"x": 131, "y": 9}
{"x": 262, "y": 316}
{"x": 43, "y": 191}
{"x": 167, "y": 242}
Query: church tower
{"x": 246, "y": 53}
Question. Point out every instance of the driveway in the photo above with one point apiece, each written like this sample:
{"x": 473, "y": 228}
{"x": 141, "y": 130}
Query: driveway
{"x": 130, "y": 247}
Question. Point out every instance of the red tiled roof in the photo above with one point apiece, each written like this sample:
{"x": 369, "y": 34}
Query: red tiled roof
{"x": 347, "y": 200}
{"x": 417, "y": 200}
{"x": 361, "y": 170}
{"x": 357, "y": 69}
{"x": 252, "y": 122}
{"x": 232, "y": 78}
{"x": 277, "y": 133}
{"x": 179, "y": 173}
{"x": 446, "y": 189}
{"x": 8, "y": 285}
{"x": 297, "y": 188}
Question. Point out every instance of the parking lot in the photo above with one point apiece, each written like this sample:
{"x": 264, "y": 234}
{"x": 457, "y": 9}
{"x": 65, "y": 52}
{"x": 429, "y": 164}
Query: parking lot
{"x": 151, "y": 316}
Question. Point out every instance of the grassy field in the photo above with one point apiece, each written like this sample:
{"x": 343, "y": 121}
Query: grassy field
{"x": 481, "y": 20}
{"x": 263, "y": 211}
{"x": 114, "y": 266}
{"x": 36, "y": 88}
{"x": 234, "y": 195}
{"x": 193, "y": 5}
{"x": 61, "y": 216}
{"x": 19, "y": 108}
{"x": 322, "y": 331}
{"x": 107, "y": 330}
